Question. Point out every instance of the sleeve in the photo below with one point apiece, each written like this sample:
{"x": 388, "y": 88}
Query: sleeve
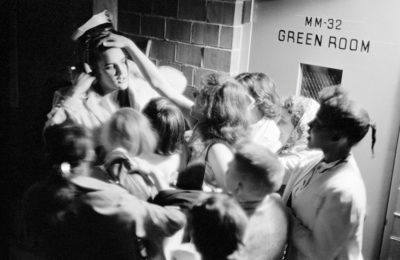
{"x": 336, "y": 221}
{"x": 289, "y": 162}
{"x": 147, "y": 220}
{"x": 64, "y": 108}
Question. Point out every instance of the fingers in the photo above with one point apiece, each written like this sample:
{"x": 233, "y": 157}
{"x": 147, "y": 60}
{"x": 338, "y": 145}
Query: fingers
{"x": 114, "y": 40}
{"x": 106, "y": 40}
{"x": 83, "y": 83}
{"x": 87, "y": 68}
{"x": 102, "y": 41}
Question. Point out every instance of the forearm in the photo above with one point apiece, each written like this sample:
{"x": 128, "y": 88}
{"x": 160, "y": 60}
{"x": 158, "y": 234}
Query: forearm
{"x": 146, "y": 219}
{"x": 155, "y": 78}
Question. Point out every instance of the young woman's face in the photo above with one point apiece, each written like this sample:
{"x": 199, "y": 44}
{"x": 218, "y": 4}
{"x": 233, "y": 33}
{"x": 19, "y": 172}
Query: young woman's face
{"x": 113, "y": 70}
{"x": 285, "y": 125}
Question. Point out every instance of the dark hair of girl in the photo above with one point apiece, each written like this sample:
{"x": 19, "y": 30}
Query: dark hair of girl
{"x": 168, "y": 121}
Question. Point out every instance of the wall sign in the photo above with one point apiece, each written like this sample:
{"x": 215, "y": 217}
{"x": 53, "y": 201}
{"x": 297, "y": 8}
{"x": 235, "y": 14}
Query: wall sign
{"x": 342, "y": 43}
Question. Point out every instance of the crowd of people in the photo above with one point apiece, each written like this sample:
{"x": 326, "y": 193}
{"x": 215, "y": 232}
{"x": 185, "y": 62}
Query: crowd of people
{"x": 137, "y": 170}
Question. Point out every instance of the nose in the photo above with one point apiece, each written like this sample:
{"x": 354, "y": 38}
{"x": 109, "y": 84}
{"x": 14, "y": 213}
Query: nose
{"x": 118, "y": 70}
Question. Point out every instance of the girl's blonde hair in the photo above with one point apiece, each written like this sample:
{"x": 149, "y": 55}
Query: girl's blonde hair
{"x": 131, "y": 130}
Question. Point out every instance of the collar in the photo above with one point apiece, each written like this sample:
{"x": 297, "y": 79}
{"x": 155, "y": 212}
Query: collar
{"x": 323, "y": 166}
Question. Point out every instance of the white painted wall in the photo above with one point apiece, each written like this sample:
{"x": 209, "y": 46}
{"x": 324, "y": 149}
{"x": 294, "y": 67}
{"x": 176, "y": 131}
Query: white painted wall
{"x": 373, "y": 78}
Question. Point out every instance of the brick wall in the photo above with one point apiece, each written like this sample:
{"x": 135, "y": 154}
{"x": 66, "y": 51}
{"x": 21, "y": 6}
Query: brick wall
{"x": 195, "y": 36}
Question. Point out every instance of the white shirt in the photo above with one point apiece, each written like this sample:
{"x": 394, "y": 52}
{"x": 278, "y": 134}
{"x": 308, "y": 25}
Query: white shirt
{"x": 328, "y": 210}
{"x": 266, "y": 133}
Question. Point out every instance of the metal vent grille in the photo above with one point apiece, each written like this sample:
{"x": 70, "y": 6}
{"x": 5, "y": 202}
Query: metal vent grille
{"x": 314, "y": 78}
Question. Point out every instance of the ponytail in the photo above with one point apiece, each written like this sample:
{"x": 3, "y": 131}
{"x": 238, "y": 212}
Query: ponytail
{"x": 373, "y": 136}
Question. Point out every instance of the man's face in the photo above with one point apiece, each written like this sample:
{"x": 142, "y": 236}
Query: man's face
{"x": 113, "y": 70}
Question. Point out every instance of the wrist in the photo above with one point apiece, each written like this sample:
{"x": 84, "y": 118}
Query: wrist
{"x": 131, "y": 45}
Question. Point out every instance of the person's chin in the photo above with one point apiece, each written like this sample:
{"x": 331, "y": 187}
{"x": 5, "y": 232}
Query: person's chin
{"x": 122, "y": 86}
{"x": 310, "y": 144}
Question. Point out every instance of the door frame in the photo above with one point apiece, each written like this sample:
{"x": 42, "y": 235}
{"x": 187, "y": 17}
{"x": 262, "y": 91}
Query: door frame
{"x": 394, "y": 195}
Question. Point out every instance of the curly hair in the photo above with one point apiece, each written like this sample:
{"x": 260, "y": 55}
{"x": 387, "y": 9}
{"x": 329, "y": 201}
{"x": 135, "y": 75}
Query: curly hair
{"x": 301, "y": 111}
{"x": 262, "y": 88}
{"x": 224, "y": 108}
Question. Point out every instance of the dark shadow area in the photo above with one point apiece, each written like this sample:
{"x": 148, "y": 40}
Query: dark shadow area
{"x": 37, "y": 50}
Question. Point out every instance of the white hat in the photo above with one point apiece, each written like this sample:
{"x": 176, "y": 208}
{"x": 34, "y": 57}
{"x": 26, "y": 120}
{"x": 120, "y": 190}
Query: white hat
{"x": 101, "y": 21}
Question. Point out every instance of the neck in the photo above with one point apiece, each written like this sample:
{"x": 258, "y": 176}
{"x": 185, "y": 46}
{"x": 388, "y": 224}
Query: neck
{"x": 336, "y": 154}
{"x": 104, "y": 90}
{"x": 249, "y": 205}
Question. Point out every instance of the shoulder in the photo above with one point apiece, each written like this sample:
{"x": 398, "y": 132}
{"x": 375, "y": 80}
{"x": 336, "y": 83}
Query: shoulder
{"x": 219, "y": 147}
{"x": 218, "y": 151}
{"x": 346, "y": 179}
{"x": 305, "y": 162}
{"x": 345, "y": 189}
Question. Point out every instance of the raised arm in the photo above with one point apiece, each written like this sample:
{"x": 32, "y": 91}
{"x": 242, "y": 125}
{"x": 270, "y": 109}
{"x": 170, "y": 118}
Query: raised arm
{"x": 145, "y": 219}
{"x": 149, "y": 70}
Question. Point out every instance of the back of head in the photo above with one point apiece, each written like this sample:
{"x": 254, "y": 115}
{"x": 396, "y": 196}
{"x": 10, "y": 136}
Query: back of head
{"x": 68, "y": 143}
{"x": 130, "y": 130}
{"x": 224, "y": 107}
{"x": 345, "y": 116}
{"x": 218, "y": 224}
{"x": 169, "y": 122}
{"x": 262, "y": 88}
{"x": 259, "y": 168}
